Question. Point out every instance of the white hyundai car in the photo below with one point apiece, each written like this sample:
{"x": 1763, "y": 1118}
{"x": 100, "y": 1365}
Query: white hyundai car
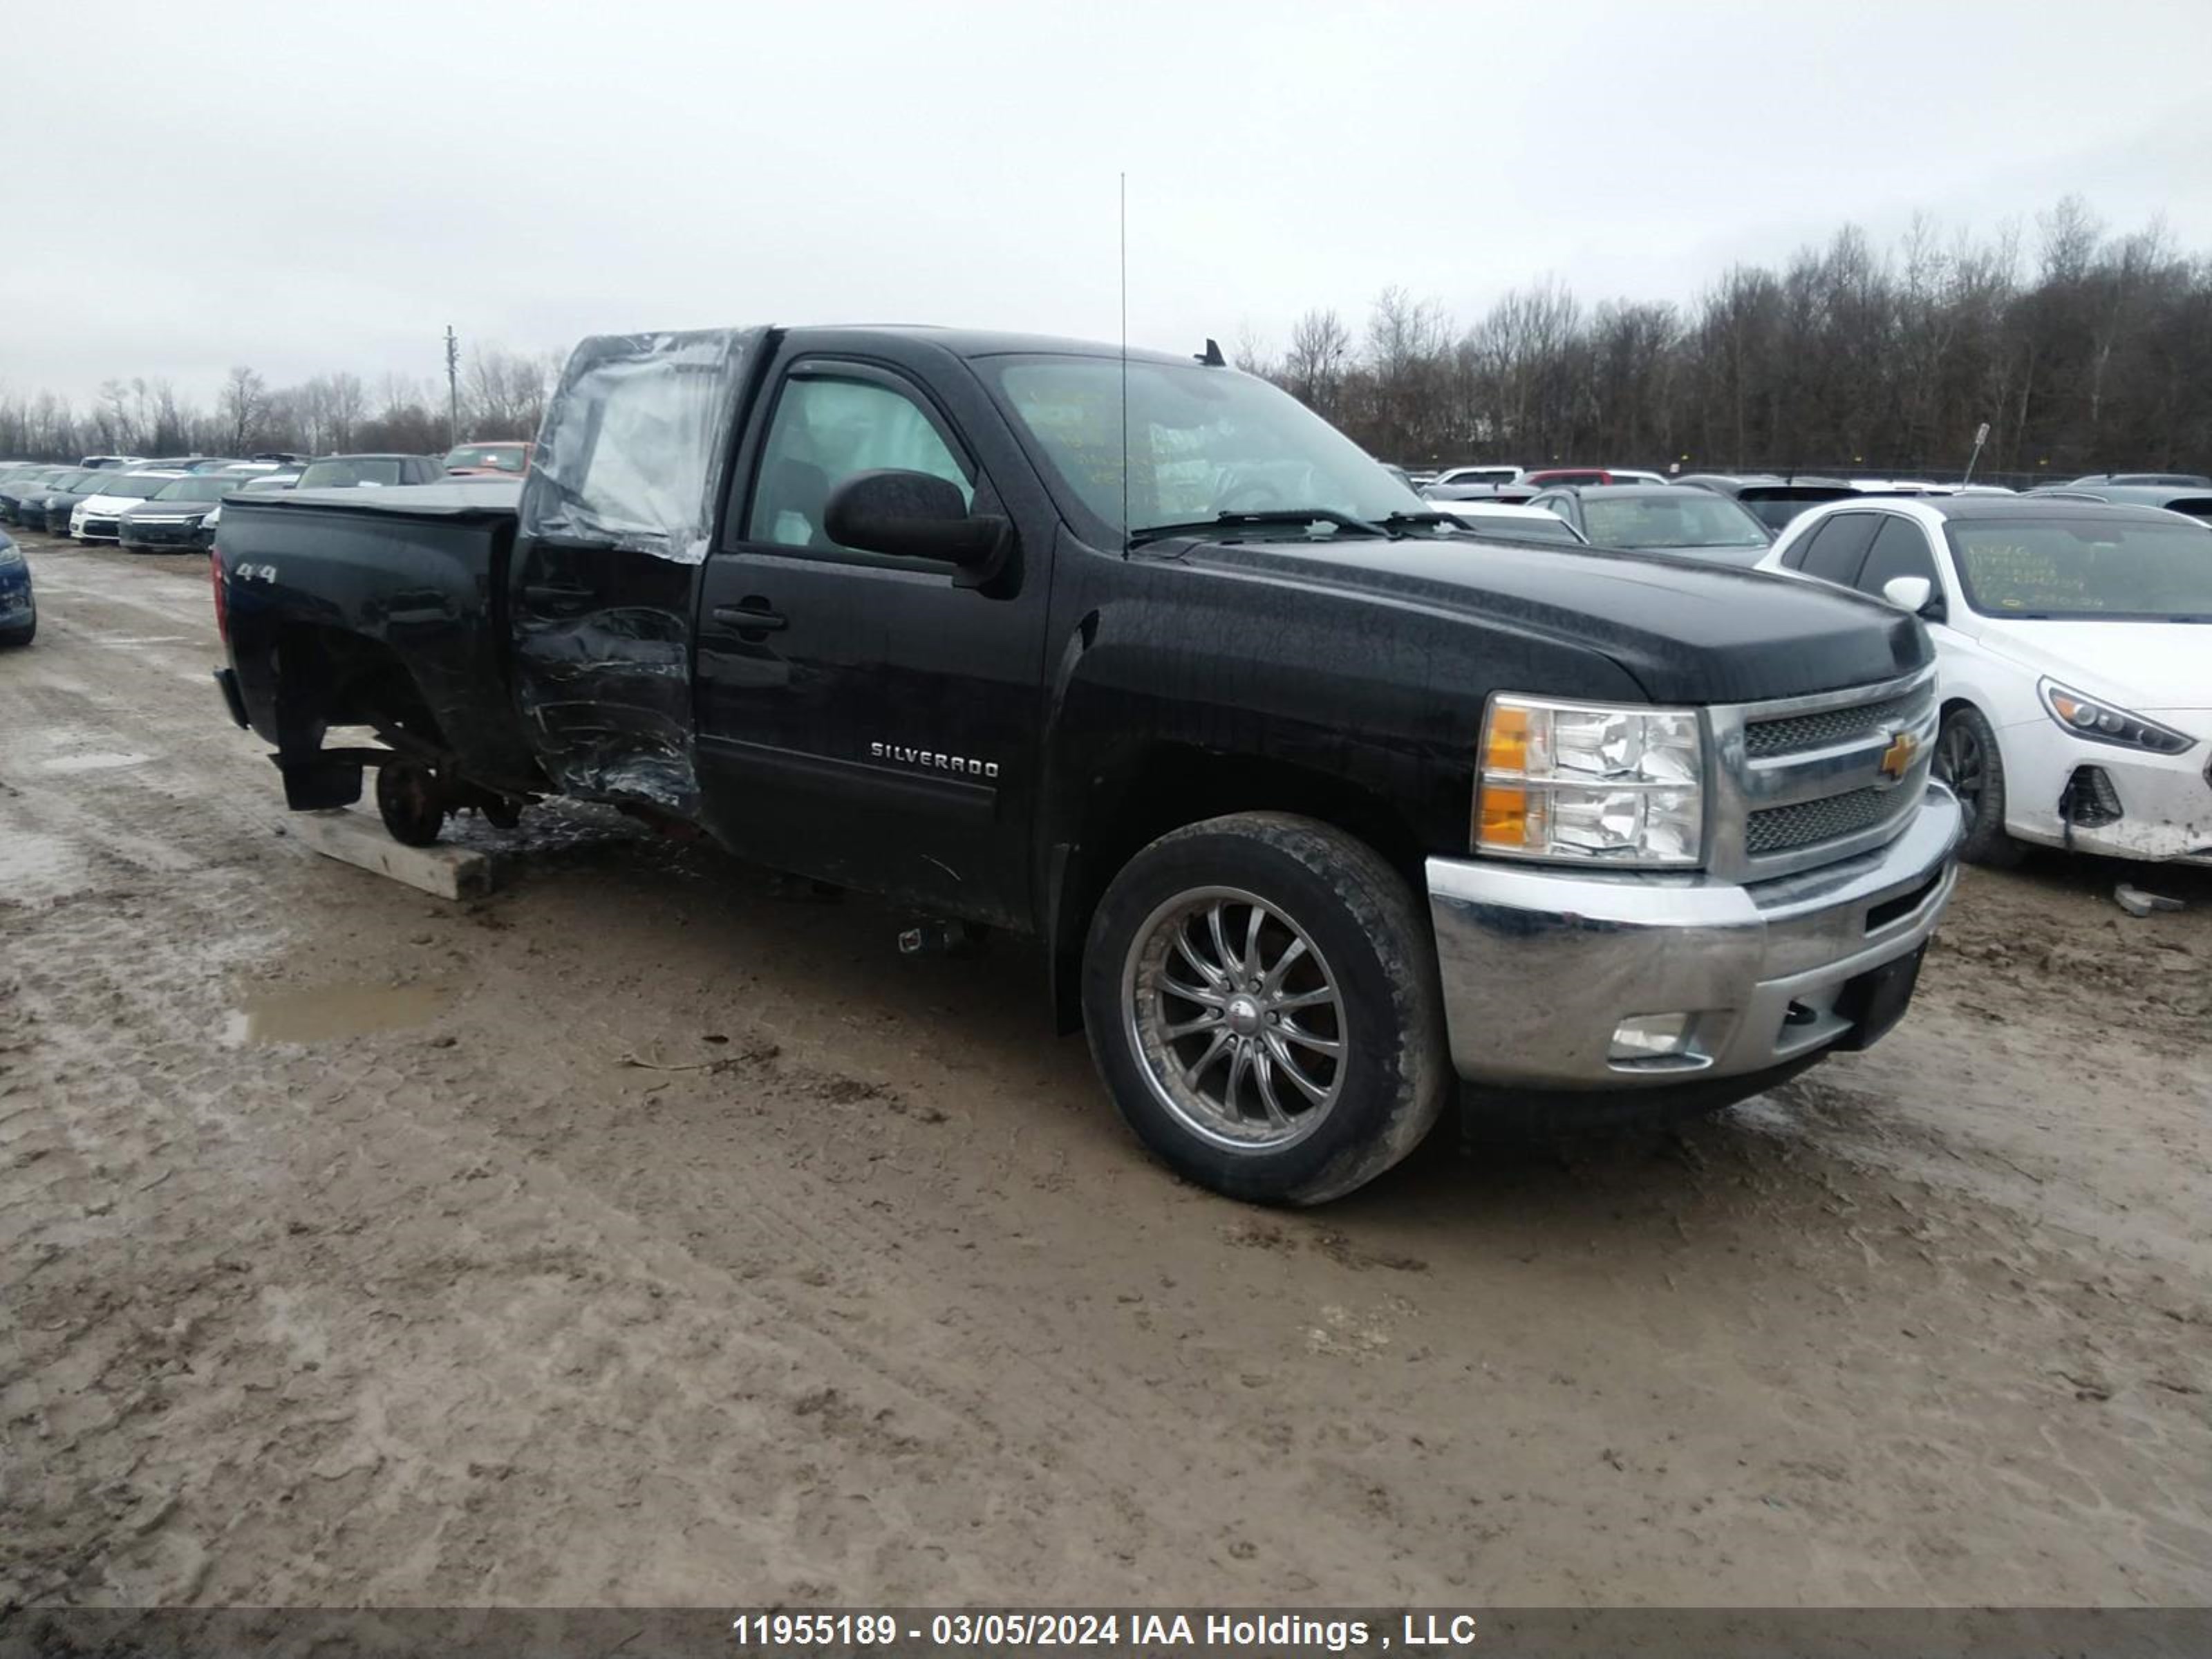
{"x": 2074, "y": 650}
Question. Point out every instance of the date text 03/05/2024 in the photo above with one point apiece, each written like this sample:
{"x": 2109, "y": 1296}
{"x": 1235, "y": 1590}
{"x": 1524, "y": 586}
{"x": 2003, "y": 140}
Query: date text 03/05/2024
{"x": 985, "y": 1631}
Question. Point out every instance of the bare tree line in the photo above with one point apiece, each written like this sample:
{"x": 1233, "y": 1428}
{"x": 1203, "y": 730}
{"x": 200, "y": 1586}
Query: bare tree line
{"x": 502, "y": 395}
{"x": 2092, "y": 352}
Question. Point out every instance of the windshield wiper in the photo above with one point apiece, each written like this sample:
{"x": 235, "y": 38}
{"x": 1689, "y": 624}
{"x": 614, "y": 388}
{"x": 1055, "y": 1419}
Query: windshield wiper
{"x": 1274, "y": 515}
{"x": 1448, "y": 521}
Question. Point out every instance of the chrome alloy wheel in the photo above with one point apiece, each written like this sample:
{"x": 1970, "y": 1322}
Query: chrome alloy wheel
{"x": 1236, "y": 1017}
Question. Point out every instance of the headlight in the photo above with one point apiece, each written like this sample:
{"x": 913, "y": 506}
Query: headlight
{"x": 2100, "y": 722}
{"x": 1570, "y": 781}
{"x": 10, "y": 555}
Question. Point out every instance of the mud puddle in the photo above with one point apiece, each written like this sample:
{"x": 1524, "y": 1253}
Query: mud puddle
{"x": 329, "y": 1012}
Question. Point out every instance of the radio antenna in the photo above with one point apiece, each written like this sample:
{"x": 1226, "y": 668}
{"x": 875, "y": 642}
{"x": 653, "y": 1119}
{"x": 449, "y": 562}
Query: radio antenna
{"x": 1125, "y": 365}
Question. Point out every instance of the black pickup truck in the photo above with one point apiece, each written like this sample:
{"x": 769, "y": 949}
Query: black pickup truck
{"x": 1319, "y": 806}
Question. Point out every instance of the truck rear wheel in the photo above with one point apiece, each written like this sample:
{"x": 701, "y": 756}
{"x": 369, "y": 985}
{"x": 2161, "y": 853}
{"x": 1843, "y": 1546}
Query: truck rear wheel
{"x": 411, "y": 800}
{"x": 1262, "y": 997}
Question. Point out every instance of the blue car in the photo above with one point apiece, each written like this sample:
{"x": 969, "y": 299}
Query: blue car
{"x": 19, "y": 615}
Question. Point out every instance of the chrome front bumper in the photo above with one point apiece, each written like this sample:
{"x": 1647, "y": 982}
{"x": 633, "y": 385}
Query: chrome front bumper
{"x": 1541, "y": 966}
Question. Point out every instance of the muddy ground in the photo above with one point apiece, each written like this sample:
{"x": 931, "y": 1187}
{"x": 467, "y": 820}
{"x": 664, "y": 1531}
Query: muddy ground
{"x": 674, "y": 1241}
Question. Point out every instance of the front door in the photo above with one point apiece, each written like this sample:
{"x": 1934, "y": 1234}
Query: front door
{"x": 615, "y": 524}
{"x": 865, "y": 720}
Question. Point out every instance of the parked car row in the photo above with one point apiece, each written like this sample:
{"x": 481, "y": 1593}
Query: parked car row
{"x": 151, "y": 506}
{"x": 175, "y": 503}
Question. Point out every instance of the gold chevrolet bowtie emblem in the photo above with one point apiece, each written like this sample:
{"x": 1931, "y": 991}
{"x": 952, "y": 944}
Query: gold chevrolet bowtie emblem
{"x": 1897, "y": 759}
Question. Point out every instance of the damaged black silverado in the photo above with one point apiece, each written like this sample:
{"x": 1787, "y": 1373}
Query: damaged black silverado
{"x": 1318, "y": 806}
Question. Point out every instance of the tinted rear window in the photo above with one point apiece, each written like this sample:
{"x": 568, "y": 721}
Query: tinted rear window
{"x": 345, "y": 474}
{"x": 1837, "y": 548}
{"x": 1776, "y": 505}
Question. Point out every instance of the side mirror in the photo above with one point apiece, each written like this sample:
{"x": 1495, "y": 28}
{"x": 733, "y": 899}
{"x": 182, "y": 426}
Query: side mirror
{"x": 1909, "y": 593}
{"x": 912, "y": 516}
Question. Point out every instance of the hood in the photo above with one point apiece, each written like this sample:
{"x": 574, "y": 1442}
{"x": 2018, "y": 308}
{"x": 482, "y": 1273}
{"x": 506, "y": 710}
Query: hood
{"x": 109, "y": 504}
{"x": 1739, "y": 558}
{"x": 170, "y": 509}
{"x": 1687, "y": 632}
{"x": 2151, "y": 667}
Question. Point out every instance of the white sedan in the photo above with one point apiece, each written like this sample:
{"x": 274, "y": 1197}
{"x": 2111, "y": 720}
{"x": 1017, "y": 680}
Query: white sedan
{"x": 2074, "y": 655}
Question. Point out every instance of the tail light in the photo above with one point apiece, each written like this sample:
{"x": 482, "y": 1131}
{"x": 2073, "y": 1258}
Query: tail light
{"x": 222, "y": 597}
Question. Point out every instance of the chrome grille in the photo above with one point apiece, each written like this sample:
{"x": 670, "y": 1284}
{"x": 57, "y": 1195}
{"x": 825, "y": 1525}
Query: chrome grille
{"x": 1800, "y": 781}
{"x": 1796, "y": 733}
{"x": 1781, "y": 828}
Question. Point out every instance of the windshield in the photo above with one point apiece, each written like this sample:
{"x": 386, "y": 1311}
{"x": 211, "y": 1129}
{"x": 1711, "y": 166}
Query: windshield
{"x": 196, "y": 490}
{"x": 1675, "y": 518}
{"x": 69, "y": 482}
{"x": 505, "y": 458}
{"x": 132, "y": 488}
{"x": 345, "y": 474}
{"x": 1201, "y": 442}
{"x": 2084, "y": 569}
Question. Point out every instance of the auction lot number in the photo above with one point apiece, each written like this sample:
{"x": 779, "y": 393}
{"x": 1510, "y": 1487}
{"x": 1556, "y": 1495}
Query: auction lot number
{"x": 947, "y": 1630}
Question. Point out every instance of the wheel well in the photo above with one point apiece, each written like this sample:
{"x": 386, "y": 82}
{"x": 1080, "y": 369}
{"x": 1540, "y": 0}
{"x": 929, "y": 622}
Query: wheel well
{"x": 347, "y": 679}
{"x": 1175, "y": 784}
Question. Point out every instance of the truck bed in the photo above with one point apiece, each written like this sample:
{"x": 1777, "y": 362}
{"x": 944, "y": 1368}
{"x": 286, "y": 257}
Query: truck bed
{"x": 497, "y": 498}
{"x": 418, "y": 570}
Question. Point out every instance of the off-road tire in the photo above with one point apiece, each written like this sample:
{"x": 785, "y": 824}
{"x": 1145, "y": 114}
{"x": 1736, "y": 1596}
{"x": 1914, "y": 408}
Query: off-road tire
{"x": 1365, "y": 921}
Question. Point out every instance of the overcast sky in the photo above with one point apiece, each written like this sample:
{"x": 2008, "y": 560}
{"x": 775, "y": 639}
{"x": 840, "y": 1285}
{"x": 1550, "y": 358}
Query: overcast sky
{"x": 302, "y": 188}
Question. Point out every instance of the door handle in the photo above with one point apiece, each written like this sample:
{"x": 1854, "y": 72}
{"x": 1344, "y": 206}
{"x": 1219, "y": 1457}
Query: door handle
{"x": 753, "y": 617}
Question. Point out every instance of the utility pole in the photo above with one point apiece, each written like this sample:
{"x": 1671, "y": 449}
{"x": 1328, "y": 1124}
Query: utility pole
{"x": 1981, "y": 437}
{"x": 452, "y": 388}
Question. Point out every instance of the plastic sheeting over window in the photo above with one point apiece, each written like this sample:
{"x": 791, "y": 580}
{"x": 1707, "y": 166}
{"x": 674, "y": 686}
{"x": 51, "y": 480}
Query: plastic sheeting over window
{"x": 632, "y": 451}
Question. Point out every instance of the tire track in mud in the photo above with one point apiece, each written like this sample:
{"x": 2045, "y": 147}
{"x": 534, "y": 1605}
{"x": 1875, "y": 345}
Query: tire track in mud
{"x": 107, "y": 971}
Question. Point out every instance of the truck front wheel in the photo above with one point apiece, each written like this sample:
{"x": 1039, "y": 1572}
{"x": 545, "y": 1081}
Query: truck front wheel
{"x": 1262, "y": 997}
